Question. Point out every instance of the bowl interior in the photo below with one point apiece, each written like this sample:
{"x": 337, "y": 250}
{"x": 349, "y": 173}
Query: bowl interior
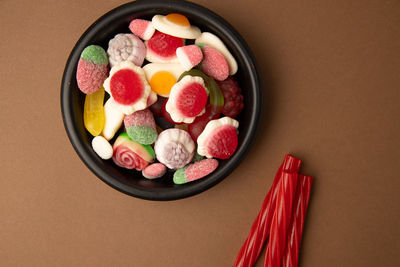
{"x": 129, "y": 181}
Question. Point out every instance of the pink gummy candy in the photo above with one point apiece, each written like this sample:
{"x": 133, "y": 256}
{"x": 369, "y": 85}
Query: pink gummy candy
{"x": 222, "y": 142}
{"x": 142, "y": 28}
{"x": 189, "y": 56}
{"x": 200, "y": 169}
{"x": 214, "y": 64}
{"x": 154, "y": 170}
{"x": 141, "y": 117}
{"x": 90, "y": 76}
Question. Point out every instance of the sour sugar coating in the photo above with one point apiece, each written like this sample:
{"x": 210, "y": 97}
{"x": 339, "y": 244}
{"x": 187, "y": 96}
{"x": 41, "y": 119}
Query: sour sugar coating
{"x": 214, "y": 64}
{"x": 130, "y": 154}
{"x": 219, "y": 139}
{"x": 93, "y": 112}
{"x": 233, "y": 104}
{"x": 161, "y": 48}
{"x": 210, "y": 39}
{"x": 141, "y": 127}
{"x": 189, "y": 56}
{"x": 126, "y": 47}
{"x": 102, "y": 147}
{"x": 142, "y": 28}
{"x": 154, "y": 170}
{"x": 128, "y": 86}
{"x": 92, "y": 69}
{"x": 113, "y": 119}
{"x": 187, "y": 99}
{"x": 174, "y": 148}
{"x": 195, "y": 171}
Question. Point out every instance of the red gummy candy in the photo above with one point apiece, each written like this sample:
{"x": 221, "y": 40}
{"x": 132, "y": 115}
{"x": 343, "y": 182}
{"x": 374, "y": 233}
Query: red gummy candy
{"x": 157, "y": 108}
{"x": 192, "y": 99}
{"x": 90, "y": 76}
{"x": 233, "y": 100}
{"x": 223, "y": 142}
{"x": 164, "y": 45}
{"x": 126, "y": 87}
{"x": 198, "y": 125}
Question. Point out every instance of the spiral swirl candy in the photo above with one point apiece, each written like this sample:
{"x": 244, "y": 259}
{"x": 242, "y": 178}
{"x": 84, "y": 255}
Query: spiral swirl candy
{"x": 281, "y": 219}
{"x": 260, "y": 229}
{"x": 130, "y": 154}
{"x": 291, "y": 255}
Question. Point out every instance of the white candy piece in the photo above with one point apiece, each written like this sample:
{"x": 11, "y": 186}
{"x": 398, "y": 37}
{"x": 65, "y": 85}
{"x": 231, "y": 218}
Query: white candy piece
{"x": 141, "y": 103}
{"x": 174, "y": 148}
{"x": 102, "y": 147}
{"x": 210, "y": 127}
{"x": 171, "y": 108}
{"x": 164, "y": 25}
{"x": 207, "y": 38}
{"x": 113, "y": 119}
{"x": 126, "y": 47}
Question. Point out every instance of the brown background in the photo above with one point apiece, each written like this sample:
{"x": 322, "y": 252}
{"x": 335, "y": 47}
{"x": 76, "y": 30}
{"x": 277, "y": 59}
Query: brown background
{"x": 331, "y": 71}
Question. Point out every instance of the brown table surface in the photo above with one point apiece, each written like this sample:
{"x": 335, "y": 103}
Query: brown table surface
{"x": 331, "y": 71}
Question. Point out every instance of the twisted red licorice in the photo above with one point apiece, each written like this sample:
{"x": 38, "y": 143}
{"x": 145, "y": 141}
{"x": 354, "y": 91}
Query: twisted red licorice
{"x": 260, "y": 229}
{"x": 291, "y": 254}
{"x": 281, "y": 219}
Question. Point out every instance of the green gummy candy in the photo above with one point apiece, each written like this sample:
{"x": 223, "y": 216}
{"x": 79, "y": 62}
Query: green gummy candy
{"x": 95, "y": 54}
{"x": 179, "y": 176}
{"x": 142, "y": 134}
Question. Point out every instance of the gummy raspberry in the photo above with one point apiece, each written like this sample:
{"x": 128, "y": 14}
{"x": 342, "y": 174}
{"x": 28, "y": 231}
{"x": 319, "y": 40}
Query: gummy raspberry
{"x": 233, "y": 99}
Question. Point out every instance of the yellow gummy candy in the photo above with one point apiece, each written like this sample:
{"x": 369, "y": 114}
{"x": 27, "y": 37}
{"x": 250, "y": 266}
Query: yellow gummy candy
{"x": 93, "y": 112}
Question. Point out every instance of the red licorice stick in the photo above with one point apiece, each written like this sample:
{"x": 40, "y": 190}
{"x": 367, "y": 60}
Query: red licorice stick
{"x": 291, "y": 255}
{"x": 281, "y": 219}
{"x": 260, "y": 229}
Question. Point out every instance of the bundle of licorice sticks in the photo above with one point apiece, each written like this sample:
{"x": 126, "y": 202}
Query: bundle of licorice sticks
{"x": 279, "y": 224}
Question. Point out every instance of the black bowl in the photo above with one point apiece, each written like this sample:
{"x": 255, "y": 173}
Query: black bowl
{"x": 131, "y": 182}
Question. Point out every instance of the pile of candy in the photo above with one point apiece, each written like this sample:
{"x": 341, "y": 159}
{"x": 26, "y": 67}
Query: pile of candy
{"x": 172, "y": 94}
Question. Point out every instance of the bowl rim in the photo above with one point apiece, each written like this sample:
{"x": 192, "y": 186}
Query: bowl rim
{"x": 176, "y": 192}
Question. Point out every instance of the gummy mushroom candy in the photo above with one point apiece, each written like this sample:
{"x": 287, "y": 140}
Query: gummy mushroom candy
{"x": 219, "y": 139}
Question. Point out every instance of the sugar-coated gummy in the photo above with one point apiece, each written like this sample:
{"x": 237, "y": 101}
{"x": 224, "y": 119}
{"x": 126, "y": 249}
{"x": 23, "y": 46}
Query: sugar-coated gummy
{"x": 142, "y": 28}
{"x": 214, "y": 64}
{"x": 126, "y": 47}
{"x": 95, "y": 54}
{"x": 174, "y": 148}
{"x": 195, "y": 171}
{"x": 154, "y": 170}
